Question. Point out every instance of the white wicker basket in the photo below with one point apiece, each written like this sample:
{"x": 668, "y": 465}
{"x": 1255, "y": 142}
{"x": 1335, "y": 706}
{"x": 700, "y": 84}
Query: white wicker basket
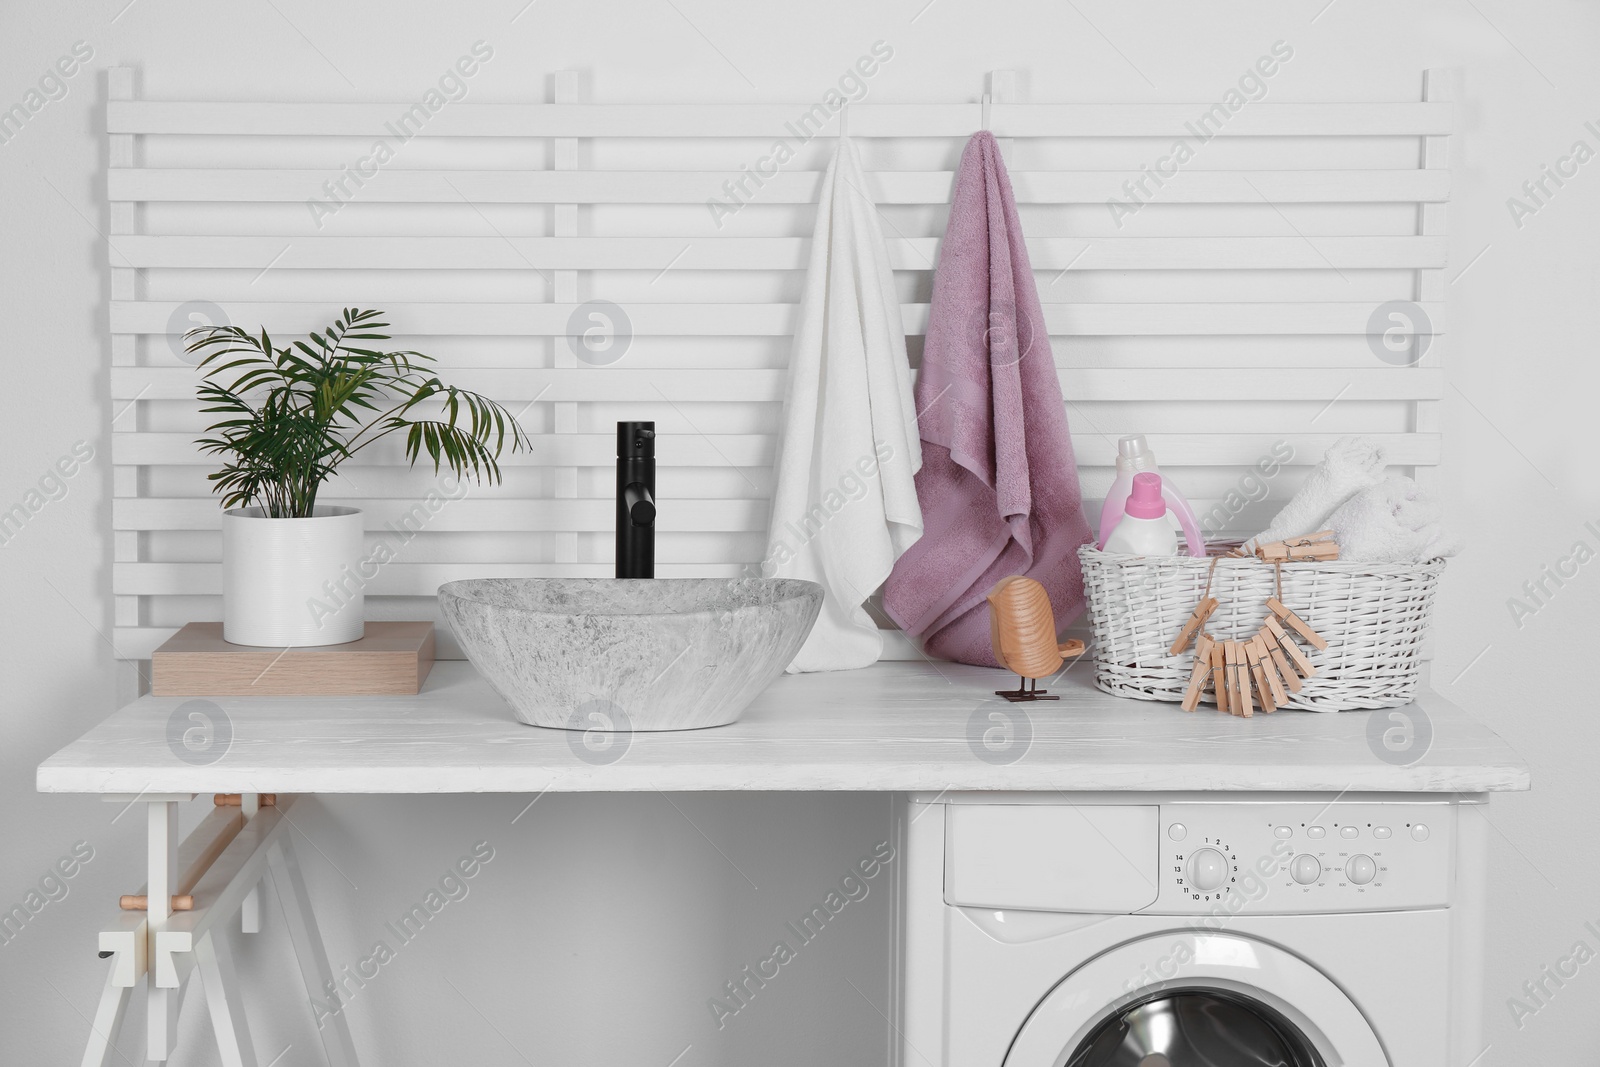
{"x": 1374, "y": 617}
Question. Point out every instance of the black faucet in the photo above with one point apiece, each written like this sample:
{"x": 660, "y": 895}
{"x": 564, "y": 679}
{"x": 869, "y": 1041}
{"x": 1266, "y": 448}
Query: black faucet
{"x": 636, "y": 500}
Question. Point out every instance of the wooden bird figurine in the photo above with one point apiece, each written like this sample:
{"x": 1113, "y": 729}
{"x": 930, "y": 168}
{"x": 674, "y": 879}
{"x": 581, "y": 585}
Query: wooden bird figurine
{"x": 1022, "y": 632}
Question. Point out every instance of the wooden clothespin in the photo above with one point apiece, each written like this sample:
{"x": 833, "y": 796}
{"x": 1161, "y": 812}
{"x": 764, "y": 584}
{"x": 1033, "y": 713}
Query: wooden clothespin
{"x": 1296, "y": 623}
{"x": 1269, "y": 672}
{"x": 1202, "y": 670}
{"x": 1256, "y": 679}
{"x": 1241, "y": 680}
{"x": 1290, "y": 619}
{"x": 1197, "y": 618}
{"x": 1258, "y": 673}
{"x": 1326, "y": 550}
{"x": 1242, "y": 683}
{"x": 1290, "y": 649}
{"x": 1231, "y": 705}
{"x": 1273, "y": 551}
{"x": 1279, "y": 660}
{"x": 1278, "y": 552}
{"x": 1219, "y": 675}
{"x": 1317, "y": 546}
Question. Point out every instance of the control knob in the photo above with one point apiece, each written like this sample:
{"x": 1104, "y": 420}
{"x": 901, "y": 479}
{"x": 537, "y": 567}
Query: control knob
{"x": 1208, "y": 869}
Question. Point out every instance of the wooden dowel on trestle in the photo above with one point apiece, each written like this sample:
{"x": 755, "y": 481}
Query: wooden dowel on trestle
{"x": 140, "y": 902}
{"x": 233, "y": 800}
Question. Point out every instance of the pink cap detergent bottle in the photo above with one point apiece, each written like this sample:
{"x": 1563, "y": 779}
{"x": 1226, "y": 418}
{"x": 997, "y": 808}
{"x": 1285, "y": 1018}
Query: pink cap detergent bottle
{"x": 1143, "y": 530}
{"x": 1134, "y": 457}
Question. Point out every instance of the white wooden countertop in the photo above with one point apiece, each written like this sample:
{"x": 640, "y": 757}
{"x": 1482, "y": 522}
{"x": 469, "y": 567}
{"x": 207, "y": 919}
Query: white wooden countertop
{"x": 894, "y": 726}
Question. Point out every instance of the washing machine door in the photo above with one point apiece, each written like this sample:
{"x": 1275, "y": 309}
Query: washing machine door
{"x": 1196, "y": 1000}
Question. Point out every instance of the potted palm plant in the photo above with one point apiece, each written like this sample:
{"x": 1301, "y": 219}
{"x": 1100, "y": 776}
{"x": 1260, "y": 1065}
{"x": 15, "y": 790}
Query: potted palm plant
{"x": 292, "y": 568}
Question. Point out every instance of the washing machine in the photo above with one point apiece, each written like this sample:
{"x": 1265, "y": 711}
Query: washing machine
{"x": 1190, "y": 930}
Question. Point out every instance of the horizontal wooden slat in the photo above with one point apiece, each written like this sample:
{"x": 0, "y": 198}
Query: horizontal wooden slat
{"x": 512, "y": 387}
{"x": 774, "y": 120}
{"x": 476, "y": 509}
{"x": 140, "y": 642}
{"x": 509, "y": 252}
{"x": 1256, "y": 120}
{"x": 758, "y": 450}
{"x": 545, "y": 449}
{"x": 396, "y": 186}
{"x": 779, "y": 320}
{"x": 393, "y": 579}
{"x": 744, "y": 516}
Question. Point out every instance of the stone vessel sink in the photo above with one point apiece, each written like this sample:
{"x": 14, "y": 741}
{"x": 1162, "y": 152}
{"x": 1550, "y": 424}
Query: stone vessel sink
{"x": 630, "y": 654}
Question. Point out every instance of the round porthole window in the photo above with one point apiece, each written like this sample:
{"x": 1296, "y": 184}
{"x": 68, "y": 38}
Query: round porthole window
{"x": 1233, "y": 1002}
{"x": 1196, "y": 1028}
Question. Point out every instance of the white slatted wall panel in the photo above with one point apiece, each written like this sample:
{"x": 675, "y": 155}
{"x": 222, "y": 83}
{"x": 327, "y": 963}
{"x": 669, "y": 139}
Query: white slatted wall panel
{"x": 1229, "y": 316}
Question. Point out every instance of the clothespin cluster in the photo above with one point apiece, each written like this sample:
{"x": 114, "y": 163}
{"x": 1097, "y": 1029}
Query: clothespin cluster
{"x": 1317, "y": 546}
{"x": 1261, "y": 671}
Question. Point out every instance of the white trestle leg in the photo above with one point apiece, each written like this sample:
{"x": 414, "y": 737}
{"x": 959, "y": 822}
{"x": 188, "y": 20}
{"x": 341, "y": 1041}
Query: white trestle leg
{"x": 224, "y": 1003}
{"x": 315, "y": 969}
{"x": 216, "y": 873}
{"x": 161, "y": 1009}
{"x": 107, "y": 1022}
{"x": 250, "y": 910}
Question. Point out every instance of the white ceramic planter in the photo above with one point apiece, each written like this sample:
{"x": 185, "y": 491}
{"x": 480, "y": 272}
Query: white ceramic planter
{"x": 292, "y": 582}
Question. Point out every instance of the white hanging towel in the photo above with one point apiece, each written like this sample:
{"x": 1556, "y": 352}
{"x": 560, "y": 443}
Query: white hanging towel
{"x": 845, "y": 504}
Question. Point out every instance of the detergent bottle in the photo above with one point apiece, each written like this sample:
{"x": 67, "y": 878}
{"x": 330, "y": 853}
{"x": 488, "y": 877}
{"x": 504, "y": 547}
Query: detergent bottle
{"x": 1143, "y": 529}
{"x": 1134, "y": 457}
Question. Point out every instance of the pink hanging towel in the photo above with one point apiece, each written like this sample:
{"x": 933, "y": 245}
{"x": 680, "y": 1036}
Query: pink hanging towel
{"x": 999, "y": 484}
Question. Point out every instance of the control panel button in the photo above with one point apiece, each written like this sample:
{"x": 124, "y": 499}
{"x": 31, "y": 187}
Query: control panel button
{"x": 1283, "y": 831}
{"x": 1208, "y": 869}
{"x": 1316, "y": 833}
{"x": 1419, "y": 832}
{"x": 1382, "y": 833}
{"x": 1360, "y": 869}
{"x": 1177, "y": 831}
{"x": 1305, "y": 869}
{"x": 1349, "y": 832}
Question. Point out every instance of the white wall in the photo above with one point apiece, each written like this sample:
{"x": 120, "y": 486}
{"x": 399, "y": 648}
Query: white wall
{"x": 604, "y": 924}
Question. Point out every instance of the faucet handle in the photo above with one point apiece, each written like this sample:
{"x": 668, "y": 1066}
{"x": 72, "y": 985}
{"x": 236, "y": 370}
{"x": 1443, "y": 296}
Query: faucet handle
{"x": 641, "y": 505}
{"x": 636, "y": 440}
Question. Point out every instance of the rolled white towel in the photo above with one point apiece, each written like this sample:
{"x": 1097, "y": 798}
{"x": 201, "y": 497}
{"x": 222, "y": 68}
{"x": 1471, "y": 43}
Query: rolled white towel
{"x": 1350, "y": 465}
{"x": 1394, "y": 521}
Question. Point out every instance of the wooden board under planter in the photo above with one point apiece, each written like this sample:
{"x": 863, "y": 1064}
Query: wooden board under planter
{"x": 392, "y": 659}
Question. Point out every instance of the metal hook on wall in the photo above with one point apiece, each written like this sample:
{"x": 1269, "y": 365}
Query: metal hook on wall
{"x": 987, "y": 100}
{"x": 844, "y": 120}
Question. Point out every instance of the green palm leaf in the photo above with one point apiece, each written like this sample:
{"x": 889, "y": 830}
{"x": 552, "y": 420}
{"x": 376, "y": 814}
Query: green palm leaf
{"x": 294, "y": 414}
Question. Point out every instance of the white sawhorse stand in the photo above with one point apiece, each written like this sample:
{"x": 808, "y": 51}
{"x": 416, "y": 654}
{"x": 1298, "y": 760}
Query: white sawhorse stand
{"x": 220, "y": 865}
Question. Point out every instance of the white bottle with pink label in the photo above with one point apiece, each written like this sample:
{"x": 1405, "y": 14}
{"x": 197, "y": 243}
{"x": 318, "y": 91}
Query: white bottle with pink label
{"x": 1144, "y": 530}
